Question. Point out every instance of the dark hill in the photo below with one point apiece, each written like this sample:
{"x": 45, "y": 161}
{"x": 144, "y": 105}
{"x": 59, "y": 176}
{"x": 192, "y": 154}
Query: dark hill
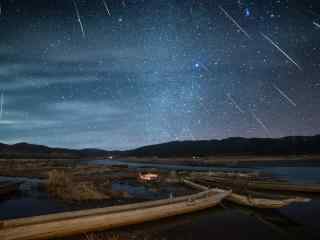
{"x": 25, "y": 150}
{"x": 232, "y": 146}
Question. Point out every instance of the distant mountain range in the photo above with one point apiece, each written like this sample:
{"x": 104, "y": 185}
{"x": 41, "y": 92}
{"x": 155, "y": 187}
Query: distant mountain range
{"x": 26, "y": 150}
{"x": 231, "y": 146}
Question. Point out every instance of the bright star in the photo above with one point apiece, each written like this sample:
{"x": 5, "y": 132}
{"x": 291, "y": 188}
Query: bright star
{"x": 247, "y": 12}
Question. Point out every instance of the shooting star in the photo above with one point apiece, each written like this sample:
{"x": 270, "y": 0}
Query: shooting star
{"x": 235, "y": 22}
{"x": 201, "y": 65}
{"x": 282, "y": 51}
{"x": 316, "y": 24}
{"x": 258, "y": 120}
{"x": 283, "y": 94}
{"x": 1, "y": 106}
{"x": 106, "y": 7}
{"x": 79, "y": 17}
{"x": 235, "y": 104}
{"x": 205, "y": 67}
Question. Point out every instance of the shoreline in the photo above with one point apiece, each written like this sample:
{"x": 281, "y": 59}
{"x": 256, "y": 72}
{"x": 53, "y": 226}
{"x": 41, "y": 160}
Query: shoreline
{"x": 230, "y": 161}
{"x": 219, "y": 161}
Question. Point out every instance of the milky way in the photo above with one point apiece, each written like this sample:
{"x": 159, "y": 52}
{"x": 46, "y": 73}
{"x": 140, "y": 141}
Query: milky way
{"x": 129, "y": 73}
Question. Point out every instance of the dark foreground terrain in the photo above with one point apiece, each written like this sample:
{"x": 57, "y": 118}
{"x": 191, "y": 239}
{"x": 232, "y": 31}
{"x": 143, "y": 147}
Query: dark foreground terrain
{"x": 50, "y": 186}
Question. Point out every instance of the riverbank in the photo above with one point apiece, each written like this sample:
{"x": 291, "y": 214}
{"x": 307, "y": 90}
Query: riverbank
{"x": 218, "y": 160}
{"x": 237, "y": 160}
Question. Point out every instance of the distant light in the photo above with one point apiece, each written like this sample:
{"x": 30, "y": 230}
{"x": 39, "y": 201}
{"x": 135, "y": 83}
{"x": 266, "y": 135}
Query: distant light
{"x": 148, "y": 176}
{"x": 197, "y": 65}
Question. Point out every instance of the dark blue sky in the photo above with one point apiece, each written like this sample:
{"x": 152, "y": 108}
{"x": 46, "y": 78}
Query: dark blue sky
{"x": 157, "y": 71}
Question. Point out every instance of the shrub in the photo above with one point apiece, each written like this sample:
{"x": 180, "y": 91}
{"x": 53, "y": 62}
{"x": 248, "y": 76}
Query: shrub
{"x": 63, "y": 186}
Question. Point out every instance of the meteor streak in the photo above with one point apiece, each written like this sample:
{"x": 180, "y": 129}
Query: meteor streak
{"x": 200, "y": 64}
{"x": 258, "y": 120}
{"x": 283, "y": 94}
{"x": 234, "y": 22}
{"x": 106, "y": 7}
{"x": 79, "y": 17}
{"x": 235, "y": 104}
{"x": 282, "y": 51}
{"x": 205, "y": 67}
{"x": 316, "y": 24}
{"x": 1, "y": 106}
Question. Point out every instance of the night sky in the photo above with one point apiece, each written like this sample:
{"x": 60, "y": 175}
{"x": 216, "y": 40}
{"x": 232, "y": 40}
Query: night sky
{"x": 121, "y": 74}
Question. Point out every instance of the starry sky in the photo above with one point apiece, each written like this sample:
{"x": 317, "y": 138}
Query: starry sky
{"x": 118, "y": 74}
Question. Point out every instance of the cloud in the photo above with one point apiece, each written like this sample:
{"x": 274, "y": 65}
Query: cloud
{"x": 86, "y": 109}
{"x": 8, "y": 122}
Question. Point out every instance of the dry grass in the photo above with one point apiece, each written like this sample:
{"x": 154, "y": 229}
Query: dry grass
{"x": 100, "y": 236}
{"x": 111, "y": 235}
{"x": 63, "y": 186}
